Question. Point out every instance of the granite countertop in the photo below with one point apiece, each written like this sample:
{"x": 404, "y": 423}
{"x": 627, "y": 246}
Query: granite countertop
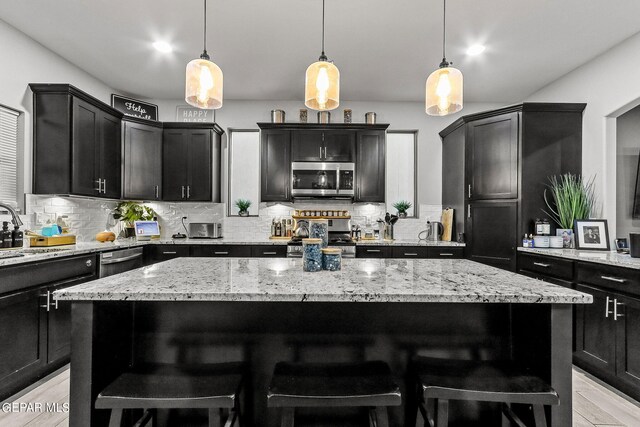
{"x": 408, "y": 242}
{"x": 600, "y": 257}
{"x": 360, "y": 280}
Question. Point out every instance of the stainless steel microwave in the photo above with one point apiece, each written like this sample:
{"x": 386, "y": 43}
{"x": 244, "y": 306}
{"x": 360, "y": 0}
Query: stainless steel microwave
{"x": 318, "y": 179}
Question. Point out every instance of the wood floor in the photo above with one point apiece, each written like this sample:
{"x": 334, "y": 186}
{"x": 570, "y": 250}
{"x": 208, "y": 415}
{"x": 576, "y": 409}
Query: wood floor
{"x": 594, "y": 405}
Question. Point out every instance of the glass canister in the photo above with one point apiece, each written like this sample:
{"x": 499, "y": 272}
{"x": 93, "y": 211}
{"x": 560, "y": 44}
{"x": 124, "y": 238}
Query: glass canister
{"x": 311, "y": 254}
{"x": 332, "y": 259}
{"x": 319, "y": 229}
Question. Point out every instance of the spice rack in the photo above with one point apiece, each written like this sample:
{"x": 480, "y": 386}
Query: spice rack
{"x": 321, "y": 214}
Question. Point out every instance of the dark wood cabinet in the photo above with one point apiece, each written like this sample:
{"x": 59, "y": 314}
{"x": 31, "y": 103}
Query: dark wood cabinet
{"x": 370, "y": 166}
{"x": 445, "y": 252}
{"x": 627, "y": 310}
{"x": 269, "y": 251}
{"x": 191, "y": 162}
{"x": 221, "y": 251}
{"x": 323, "y": 146}
{"x": 374, "y": 251}
{"x": 409, "y": 252}
{"x": 307, "y": 146}
{"x": 77, "y": 143}
{"x": 491, "y": 233}
{"x": 493, "y": 155}
{"x": 167, "y": 252}
{"x": 417, "y": 252}
{"x": 275, "y": 165}
{"x": 507, "y": 155}
{"x": 142, "y": 160}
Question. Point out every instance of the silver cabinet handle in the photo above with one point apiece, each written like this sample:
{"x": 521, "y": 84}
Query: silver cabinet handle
{"x": 99, "y": 182}
{"x": 410, "y": 254}
{"x": 445, "y": 254}
{"x": 269, "y": 253}
{"x": 613, "y": 279}
{"x": 320, "y": 153}
{"x": 104, "y": 186}
{"x": 606, "y": 308}
{"x": 468, "y": 211}
{"x": 221, "y": 252}
{"x": 374, "y": 251}
{"x": 157, "y": 192}
{"x": 325, "y": 153}
{"x": 169, "y": 252}
{"x": 182, "y": 196}
{"x": 615, "y": 309}
{"x": 47, "y": 305}
{"x": 469, "y": 191}
{"x": 188, "y": 191}
{"x": 541, "y": 264}
{"x": 88, "y": 263}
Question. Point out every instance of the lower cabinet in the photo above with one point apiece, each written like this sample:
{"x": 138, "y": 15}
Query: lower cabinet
{"x": 35, "y": 331}
{"x": 418, "y": 252}
{"x": 159, "y": 253}
{"x": 374, "y": 252}
{"x": 269, "y": 251}
{"x": 221, "y": 251}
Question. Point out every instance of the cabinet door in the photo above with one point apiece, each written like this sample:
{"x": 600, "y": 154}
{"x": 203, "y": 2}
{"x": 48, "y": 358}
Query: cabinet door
{"x": 110, "y": 160}
{"x": 491, "y": 233}
{"x": 493, "y": 153}
{"x": 199, "y": 166}
{"x": 370, "y": 166}
{"x": 596, "y": 330}
{"x": 85, "y": 148}
{"x": 22, "y": 334}
{"x": 174, "y": 165}
{"x": 627, "y": 338}
{"x": 307, "y": 146}
{"x": 373, "y": 251}
{"x": 275, "y": 165}
{"x": 142, "y": 161}
{"x": 339, "y": 146}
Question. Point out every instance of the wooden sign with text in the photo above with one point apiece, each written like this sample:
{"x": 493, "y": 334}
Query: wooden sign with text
{"x": 134, "y": 108}
{"x": 186, "y": 113}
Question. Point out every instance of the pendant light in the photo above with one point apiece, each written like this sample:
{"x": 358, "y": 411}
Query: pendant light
{"x": 204, "y": 79}
{"x": 444, "y": 85}
{"x": 322, "y": 84}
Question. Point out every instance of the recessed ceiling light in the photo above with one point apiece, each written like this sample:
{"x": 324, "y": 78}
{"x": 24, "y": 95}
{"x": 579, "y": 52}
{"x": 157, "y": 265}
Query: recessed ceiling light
{"x": 163, "y": 47}
{"x": 476, "y": 49}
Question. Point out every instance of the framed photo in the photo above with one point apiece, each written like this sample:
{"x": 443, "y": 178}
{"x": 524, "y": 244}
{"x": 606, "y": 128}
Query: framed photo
{"x": 592, "y": 234}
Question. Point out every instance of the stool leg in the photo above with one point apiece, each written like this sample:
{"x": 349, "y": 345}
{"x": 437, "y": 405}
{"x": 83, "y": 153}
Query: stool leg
{"x": 539, "y": 416}
{"x": 287, "y": 417}
{"x": 505, "y": 420}
{"x": 116, "y": 418}
{"x": 214, "y": 417}
{"x": 443, "y": 413}
{"x": 382, "y": 417}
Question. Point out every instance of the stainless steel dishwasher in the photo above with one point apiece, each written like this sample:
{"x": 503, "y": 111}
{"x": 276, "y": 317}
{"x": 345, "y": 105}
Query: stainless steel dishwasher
{"x": 120, "y": 261}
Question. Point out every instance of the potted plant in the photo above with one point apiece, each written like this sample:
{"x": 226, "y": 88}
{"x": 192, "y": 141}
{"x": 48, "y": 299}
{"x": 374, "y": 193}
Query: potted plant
{"x": 243, "y": 207}
{"x": 128, "y": 212}
{"x": 402, "y": 207}
{"x": 571, "y": 198}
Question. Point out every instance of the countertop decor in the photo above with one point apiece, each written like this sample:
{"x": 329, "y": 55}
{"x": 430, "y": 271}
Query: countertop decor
{"x": 600, "y": 257}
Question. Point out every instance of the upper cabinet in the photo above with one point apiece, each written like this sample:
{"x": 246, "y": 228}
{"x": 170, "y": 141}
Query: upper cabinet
{"x": 76, "y": 143}
{"x": 282, "y": 144}
{"x": 142, "y": 160}
{"x": 191, "y": 162}
{"x": 323, "y": 146}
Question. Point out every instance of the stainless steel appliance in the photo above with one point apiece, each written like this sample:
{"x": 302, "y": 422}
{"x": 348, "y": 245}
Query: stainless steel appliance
{"x": 205, "y": 230}
{"x": 434, "y": 231}
{"x": 339, "y": 237}
{"x": 119, "y": 261}
{"x": 321, "y": 179}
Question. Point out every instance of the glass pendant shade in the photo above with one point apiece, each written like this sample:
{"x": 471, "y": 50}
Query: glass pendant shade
{"x": 203, "y": 84}
{"x": 444, "y": 92}
{"x": 322, "y": 86}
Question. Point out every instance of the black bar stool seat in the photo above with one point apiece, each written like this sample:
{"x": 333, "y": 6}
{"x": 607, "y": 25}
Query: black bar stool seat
{"x": 486, "y": 381}
{"x": 366, "y": 384}
{"x": 212, "y": 386}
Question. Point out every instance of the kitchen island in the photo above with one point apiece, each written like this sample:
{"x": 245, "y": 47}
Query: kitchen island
{"x": 193, "y": 310}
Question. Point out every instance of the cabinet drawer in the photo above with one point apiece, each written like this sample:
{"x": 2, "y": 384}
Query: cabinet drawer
{"x": 606, "y": 276}
{"x": 269, "y": 251}
{"x": 166, "y": 252}
{"x": 52, "y": 271}
{"x": 409, "y": 252}
{"x": 446, "y": 252}
{"x": 373, "y": 251}
{"x": 221, "y": 251}
{"x": 548, "y": 266}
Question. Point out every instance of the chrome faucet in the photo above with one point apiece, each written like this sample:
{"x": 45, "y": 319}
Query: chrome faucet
{"x": 15, "y": 218}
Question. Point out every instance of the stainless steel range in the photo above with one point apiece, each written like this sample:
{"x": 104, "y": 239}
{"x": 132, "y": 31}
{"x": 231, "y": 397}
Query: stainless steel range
{"x": 339, "y": 237}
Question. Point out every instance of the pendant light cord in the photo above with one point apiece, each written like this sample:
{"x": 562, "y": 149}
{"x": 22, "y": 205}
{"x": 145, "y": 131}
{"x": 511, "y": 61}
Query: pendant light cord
{"x": 444, "y": 27}
{"x": 323, "y": 57}
{"x": 205, "y": 55}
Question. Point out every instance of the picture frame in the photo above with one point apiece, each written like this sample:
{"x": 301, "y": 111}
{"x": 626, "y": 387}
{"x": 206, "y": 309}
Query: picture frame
{"x": 591, "y": 234}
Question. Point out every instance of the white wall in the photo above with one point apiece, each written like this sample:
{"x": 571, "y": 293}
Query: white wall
{"x": 400, "y": 116}
{"x": 26, "y": 61}
{"x": 610, "y": 86}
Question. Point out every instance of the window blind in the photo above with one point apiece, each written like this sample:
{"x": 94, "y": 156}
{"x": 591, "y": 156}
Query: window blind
{"x": 8, "y": 155}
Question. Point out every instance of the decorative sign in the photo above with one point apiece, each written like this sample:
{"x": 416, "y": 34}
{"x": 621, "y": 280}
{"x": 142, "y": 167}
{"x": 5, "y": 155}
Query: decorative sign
{"x": 134, "y": 107}
{"x": 186, "y": 113}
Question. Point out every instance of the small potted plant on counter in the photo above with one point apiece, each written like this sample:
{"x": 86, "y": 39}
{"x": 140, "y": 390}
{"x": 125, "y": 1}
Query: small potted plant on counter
{"x": 243, "y": 206}
{"x": 129, "y": 212}
{"x": 402, "y": 207}
{"x": 571, "y": 198}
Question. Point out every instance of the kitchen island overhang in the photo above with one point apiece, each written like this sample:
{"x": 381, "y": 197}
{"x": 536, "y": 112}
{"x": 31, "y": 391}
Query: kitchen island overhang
{"x": 185, "y": 310}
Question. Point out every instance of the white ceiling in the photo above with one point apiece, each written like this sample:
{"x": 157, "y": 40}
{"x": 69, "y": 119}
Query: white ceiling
{"x": 384, "y": 49}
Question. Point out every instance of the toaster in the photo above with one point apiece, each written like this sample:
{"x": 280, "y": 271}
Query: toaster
{"x": 205, "y": 230}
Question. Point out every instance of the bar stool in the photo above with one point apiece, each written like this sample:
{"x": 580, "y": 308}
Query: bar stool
{"x": 442, "y": 380}
{"x": 365, "y": 384}
{"x": 212, "y": 386}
